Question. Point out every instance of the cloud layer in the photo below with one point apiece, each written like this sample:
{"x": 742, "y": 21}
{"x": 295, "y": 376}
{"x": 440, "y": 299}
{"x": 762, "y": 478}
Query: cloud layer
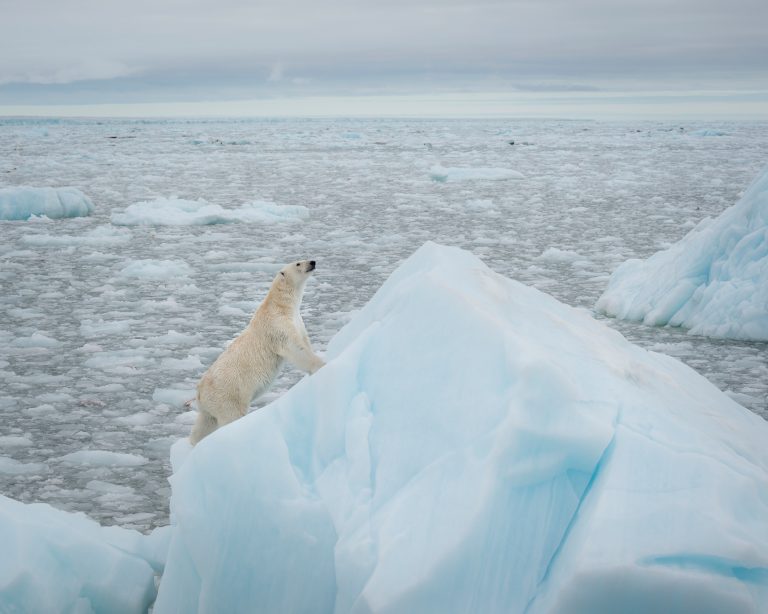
{"x": 91, "y": 50}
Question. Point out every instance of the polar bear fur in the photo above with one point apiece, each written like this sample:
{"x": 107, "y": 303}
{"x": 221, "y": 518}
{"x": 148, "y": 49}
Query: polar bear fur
{"x": 247, "y": 368}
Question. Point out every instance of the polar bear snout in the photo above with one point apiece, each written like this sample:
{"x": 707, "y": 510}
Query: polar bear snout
{"x": 305, "y": 266}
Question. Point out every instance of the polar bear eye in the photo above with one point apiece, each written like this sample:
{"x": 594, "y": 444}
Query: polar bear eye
{"x": 297, "y": 264}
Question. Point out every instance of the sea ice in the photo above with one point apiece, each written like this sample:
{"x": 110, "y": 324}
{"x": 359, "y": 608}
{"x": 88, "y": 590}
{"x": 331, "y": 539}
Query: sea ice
{"x": 443, "y": 174}
{"x": 11, "y": 466}
{"x": 474, "y": 445}
{"x": 54, "y": 561}
{"x": 180, "y": 212}
{"x": 99, "y": 236}
{"x": 156, "y": 269}
{"x": 173, "y": 396}
{"x": 23, "y": 202}
{"x": 714, "y": 281}
{"x": 103, "y": 458}
{"x": 708, "y": 132}
{"x": 553, "y": 254}
{"x": 36, "y": 340}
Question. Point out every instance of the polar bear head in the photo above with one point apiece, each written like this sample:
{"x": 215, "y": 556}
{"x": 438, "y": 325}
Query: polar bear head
{"x": 296, "y": 273}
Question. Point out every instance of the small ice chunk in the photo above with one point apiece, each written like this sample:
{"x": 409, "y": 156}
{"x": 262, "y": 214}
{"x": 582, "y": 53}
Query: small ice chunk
{"x": 36, "y": 340}
{"x": 24, "y": 202}
{"x": 156, "y": 269}
{"x": 446, "y": 174}
{"x": 554, "y": 254}
{"x": 190, "y": 363}
{"x": 103, "y": 458}
{"x": 10, "y": 466}
{"x": 14, "y": 441}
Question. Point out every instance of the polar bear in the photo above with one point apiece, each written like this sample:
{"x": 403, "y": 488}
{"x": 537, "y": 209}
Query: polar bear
{"x": 247, "y": 368}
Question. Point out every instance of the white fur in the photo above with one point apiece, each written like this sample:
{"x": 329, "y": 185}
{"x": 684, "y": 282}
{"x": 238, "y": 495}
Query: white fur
{"x": 247, "y": 368}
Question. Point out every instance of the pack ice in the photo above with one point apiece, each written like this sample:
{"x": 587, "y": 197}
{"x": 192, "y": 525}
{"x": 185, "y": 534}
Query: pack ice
{"x": 473, "y": 445}
{"x": 714, "y": 281}
{"x": 181, "y": 212}
{"x": 23, "y": 202}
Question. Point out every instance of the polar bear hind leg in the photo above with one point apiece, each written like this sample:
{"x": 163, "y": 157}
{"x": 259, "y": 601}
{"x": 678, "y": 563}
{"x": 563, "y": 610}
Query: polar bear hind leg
{"x": 204, "y": 425}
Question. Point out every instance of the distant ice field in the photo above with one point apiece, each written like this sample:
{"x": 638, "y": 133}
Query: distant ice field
{"x": 104, "y": 329}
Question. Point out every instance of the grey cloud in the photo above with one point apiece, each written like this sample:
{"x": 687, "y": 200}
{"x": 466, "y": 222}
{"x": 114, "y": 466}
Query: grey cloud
{"x": 241, "y": 47}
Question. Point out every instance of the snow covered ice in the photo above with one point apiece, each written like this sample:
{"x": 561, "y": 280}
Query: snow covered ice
{"x": 473, "y": 445}
{"x": 714, "y": 281}
{"x": 97, "y": 358}
{"x": 22, "y": 203}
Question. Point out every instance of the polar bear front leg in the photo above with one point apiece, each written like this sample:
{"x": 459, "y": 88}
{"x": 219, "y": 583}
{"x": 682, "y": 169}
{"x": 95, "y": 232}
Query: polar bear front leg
{"x": 299, "y": 353}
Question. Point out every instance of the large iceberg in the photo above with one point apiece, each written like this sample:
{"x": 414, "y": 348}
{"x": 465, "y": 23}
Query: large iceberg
{"x": 714, "y": 281}
{"x": 23, "y": 202}
{"x": 473, "y": 445}
{"x": 54, "y": 561}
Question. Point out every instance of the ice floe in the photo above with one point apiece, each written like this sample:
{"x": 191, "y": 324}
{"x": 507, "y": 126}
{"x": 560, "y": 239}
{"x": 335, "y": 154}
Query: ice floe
{"x": 24, "y": 202}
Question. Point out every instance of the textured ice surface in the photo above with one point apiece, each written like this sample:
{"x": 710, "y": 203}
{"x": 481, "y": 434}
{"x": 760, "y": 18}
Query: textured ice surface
{"x": 180, "y": 212}
{"x": 54, "y": 561}
{"x": 714, "y": 281}
{"x": 601, "y": 191}
{"x": 23, "y": 202}
{"x": 473, "y": 445}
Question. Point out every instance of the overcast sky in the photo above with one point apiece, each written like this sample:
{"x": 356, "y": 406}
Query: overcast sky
{"x": 103, "y": 51}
